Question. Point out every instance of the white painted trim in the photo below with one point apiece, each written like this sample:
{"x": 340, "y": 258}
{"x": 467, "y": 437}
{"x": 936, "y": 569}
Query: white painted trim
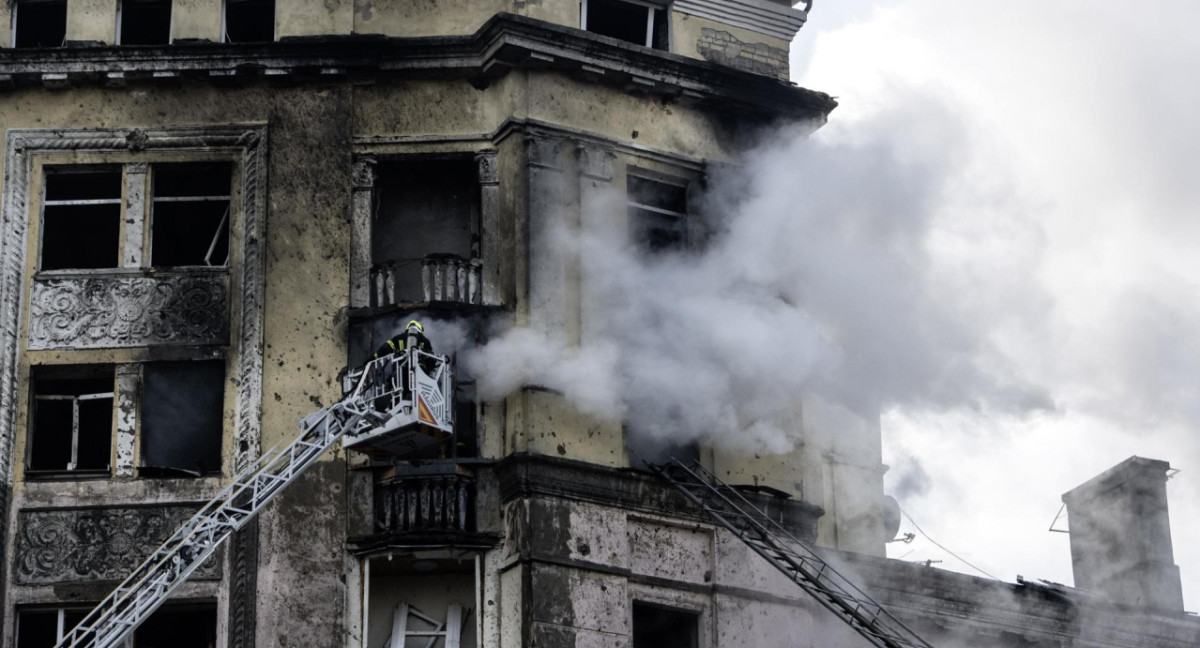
{"x": 649, "y": 27}
{"x": 756, "y": 15}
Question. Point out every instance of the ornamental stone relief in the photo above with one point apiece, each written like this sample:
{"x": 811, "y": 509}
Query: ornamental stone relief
{"x": 123, "y": 311}
{"x": 95, "y": 544}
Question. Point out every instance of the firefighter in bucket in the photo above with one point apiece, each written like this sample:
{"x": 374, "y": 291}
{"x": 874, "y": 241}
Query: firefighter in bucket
{"x": 413, "y": 336}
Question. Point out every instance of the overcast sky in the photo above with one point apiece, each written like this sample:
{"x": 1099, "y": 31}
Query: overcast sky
{"x": 1065, "y": 231}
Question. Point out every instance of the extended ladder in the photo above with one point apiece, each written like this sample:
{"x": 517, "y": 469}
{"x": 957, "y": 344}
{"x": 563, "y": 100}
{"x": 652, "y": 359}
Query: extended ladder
{"x": 799, "y": 562}
{"x": 369, "y": 403}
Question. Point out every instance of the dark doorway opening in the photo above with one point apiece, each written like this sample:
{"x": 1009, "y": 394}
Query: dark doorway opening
{"x": 656, "y": 626}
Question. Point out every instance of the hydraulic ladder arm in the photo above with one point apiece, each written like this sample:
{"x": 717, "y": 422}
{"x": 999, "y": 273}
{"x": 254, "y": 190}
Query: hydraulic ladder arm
{"x": 388, "y": 395}
{"x": 726, "y": 506}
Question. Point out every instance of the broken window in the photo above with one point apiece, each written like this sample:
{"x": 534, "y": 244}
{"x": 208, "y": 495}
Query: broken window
{"x": 657, "y": 212}
{"x": 43, "y": 628}
{"x": 72, "y": 419}
{"x": 640, "y": 23}
{"x": 645, "y": 447}
{"x": 190, "y": 214}
{"x": 427, "y": 596}
{"x": 183, "y": 411}
{"x": 249, "y": 21}
{"x": 179, "y": 626}
{"x": 39, "y": 23}
{"x": 657, "y": 626}
{"x": 173, "y": 625}
{"x": 144, "y": 22}
{"x": 81, "y": 217}
{"x": 425, "y": 232}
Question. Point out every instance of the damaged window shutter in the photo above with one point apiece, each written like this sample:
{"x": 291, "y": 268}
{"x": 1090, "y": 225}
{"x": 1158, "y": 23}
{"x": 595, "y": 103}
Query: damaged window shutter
{"x": 183, "y": 407}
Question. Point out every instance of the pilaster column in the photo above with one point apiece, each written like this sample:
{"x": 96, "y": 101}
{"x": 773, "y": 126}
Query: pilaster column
{"x": 489, "y": 226}
{"x": 128, "y": 385}
{"x": 599, "y": 216}
{"x": 135, "y": 214}
{"x": 362, "y": 207}
{"x": 550, "y": 208}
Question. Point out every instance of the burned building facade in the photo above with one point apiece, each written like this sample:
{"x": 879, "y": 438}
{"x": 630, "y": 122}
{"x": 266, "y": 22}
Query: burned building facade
{"x": 211, "y": 207}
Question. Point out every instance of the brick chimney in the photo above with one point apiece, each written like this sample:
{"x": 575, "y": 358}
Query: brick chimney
{"x": 1121, "y": 536}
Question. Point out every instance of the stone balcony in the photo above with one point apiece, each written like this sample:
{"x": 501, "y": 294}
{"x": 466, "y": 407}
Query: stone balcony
{"x": 444, "y": 278}
{"x": 441, "y": 499}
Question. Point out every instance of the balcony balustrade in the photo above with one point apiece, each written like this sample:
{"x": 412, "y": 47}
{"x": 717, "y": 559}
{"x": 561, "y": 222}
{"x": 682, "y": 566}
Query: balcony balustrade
{"x": 444, "y": 278}
{"x": 436, "y": 503}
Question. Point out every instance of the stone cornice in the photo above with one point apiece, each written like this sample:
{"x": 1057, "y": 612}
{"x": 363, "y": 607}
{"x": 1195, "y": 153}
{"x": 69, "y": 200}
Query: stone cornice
{"x": 504, "y": 43}
{"x": 522, "y": 475}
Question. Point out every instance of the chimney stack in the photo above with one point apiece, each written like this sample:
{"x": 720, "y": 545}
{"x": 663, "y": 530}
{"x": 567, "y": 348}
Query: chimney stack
{"x": 1121, "y": 536}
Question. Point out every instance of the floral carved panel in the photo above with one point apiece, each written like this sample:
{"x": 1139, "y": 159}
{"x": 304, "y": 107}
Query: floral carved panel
{"x": 124, "y": 311}
{"x": 64, "y": 545}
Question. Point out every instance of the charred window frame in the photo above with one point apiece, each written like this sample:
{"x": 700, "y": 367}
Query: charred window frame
{"x": 182, "y": 625}
{"x": 658, "y": 211}
{"x": 179, "y": 625}
{"x": 660, "y": 626}
{"x": 189, "y": 214}
{"x": 182, "y": 418}
{"x": 633, "y": 21}
{"x": 144, "y": 22}
{"x": 43, "y": 627}
{"x": 81, "y": 217}
{"x": 425, "y": 229}
{"x": 248, "y": 21}
{"x": 71, "y": 422}
{"x": 39, "y": 23}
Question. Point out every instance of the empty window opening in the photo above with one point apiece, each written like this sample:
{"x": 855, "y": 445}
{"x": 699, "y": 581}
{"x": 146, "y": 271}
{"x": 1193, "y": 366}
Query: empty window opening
{"x": 190, "y": 214}
{"x": 427, "y": 221}
{"x": 71, "y": 421}
{"x": 656, "y": 626}
{"x": 39, "y": 23}
{"x": 466, "y": 424}
{"x": 657, "y": 213}
{"x": 249, "y": 21}
{"x": 144, "y": 22}
{"x": 173, "y": 625}
{"x": 183, "y": 411}
{"x": 44, "y": 628}
{"x": 179, "y": 626}
{"x": 644, "y": 447}
{"x": 633, "y": 22}
{"x": 428, "y": 598}
{"x": 81, "y": 217}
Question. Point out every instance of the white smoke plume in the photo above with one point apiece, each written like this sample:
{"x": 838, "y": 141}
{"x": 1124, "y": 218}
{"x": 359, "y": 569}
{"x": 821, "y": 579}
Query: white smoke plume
{"x": 816, "y": 279}
{"x": 1064, "y": 238}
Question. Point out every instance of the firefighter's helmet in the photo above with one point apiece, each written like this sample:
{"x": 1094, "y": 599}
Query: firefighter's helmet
{"x": 414, "y": 324}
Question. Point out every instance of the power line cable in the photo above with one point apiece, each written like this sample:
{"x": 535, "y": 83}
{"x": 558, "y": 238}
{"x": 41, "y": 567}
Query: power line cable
{"x": 963, "y": 560}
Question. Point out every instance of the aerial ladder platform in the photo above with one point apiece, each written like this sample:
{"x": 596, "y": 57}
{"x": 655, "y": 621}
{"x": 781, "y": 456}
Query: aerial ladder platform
{"x": 395, "y": 404}
{"x": 725, "y": 505}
